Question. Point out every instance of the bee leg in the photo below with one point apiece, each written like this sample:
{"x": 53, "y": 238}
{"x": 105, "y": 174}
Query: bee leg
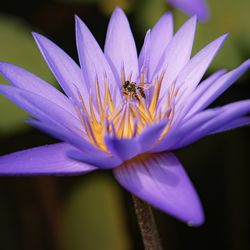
{"x": 142, "y": 93}
{"x": 137, "y": 97}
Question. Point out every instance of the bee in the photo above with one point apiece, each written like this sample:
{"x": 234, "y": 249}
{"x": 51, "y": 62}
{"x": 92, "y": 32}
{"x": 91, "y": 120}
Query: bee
{"x": 133, "y": 90}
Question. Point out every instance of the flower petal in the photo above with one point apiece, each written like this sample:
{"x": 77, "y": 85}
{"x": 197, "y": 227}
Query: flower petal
{"x": 42, "y": 108}
{"x": 161, "y": 181}
{"x": 194, "y": 70}
{"x": 240, "y": 122}
{"x": 93, "y": 62}
{"x": 66, "y": 135}
{"x": 44, "y": 160}
{"x": 144, "y": 57}
{"x": 100, "y": 160}
{"x": 192, "y": 7}
{"x": 160, "y": 36}
{"x": 14, "y": 94}
{"x": 66, "y": 71}
{"x": 177, "y": 53}
{"x": 229, "y": 113}
{"x": 120, "y": 49}
{"x": 25, "y": 80}
{"x": 149, "y": 136}
{"x": 55, "y": 112}
{"x": 124, "y": 149}
{"x": 218, "y": 87}
{"x": 177, "y": 133}
{"x": 182, "y": 110}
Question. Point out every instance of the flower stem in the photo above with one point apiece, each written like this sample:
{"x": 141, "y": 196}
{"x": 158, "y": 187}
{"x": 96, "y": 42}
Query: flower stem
{"x": 147, "y": 225}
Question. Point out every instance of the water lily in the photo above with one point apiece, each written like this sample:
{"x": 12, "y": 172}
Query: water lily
{"x": 192, "y": 7}
{"x": 124, "y": 112}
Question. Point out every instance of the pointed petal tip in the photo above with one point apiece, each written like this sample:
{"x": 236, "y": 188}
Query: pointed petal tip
{"x": 36, "y": 35}
{"x": 247, "y": 62}
{"x": 3, "y": 66}
{"x": 118, "y": 10}
{"x": 244, "y": 66}
{"x": 118, "y": 13}
{"x": 81, "y": 28}
{"x": 196, "y": 218}
{"x": 167, "y": 15}
{"x": 192, "y": 22}
{"x": 224, "y": 36}
{"x": 162, "y": 182}
{"x": 78, "y": 20}
{"x": 40, "y": 39}
{"x": 221, "y": 39}
{"x": 76, "y": 17}
{"x": 194, "y": 19}
{"x": 166, "y": 21}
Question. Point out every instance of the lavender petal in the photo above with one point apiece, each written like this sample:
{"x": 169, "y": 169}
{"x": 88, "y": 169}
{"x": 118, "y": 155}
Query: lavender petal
{"x": 218, "y": 87}
{"x": 44, "y": 160}
{"x": 161, "y": 181}
{"x": 160, "y": 36}
{"x": 66, "y": 71}
{"x": 178, "y": 51}
{"x": 101, "y": 160}
{"x": 120, "y": 49}
{"x": 23, "y": 79}
{"x": 192, "y": 73}
{"x": 93, "y": 62}
{"x": 124, "y": 149}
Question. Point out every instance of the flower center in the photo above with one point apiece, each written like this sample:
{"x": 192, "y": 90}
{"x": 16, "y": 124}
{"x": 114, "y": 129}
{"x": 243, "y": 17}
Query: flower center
{"x": 127, "y": 117}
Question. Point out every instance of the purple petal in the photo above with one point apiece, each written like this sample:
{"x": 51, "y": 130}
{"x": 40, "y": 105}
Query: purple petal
{"x": 182, "y": 110}
{"x": 28, "y": 81}
{"x": 176, "y": 134}
{"x": 240, "y": 122}
{"x": 93, "y": 62}
{"x": 120, "y": 49}
{"x": 160, "y": 36}
{"x": 44, "y": 160}
{"x": 144, "y": 57}
{"x": 43, "y": 110}
{"x": 192, "y": 73}
{"x": 101, "y": 160}
{"x": 54, "y": 112}
{"x": 66, "y": 71}
{"x": 14, "y": 94}
{"x": 161, "y": 181}
{"x": 150, "y": 135}
{"x": 66, "y": 135}
{"x": 177, "y": 53}
{"x": 124, "y": 148}
{"x": 218, "y": 87}
{"x": 229, "y": 113}
{"x": 192, "y": 7}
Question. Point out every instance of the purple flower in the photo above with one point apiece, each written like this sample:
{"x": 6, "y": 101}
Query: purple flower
{"x": 124, "y": 113}
{"x": 192, "y": 7}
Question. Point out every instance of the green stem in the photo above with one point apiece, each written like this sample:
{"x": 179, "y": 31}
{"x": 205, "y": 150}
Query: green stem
{"x": 147, "y": 225}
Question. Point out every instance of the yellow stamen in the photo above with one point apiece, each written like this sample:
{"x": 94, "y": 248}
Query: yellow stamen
{"x": 125, "y": 118}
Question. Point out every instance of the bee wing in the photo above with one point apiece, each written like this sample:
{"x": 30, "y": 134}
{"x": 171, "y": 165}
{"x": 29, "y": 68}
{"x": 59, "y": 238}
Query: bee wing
{"x": 145, "y": 86}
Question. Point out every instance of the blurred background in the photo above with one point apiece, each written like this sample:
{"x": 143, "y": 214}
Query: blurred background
{"x": 93, "y": 212}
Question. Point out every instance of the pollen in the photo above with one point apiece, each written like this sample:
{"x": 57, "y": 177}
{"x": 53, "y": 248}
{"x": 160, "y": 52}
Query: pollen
{"x": 127, "y": 117}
